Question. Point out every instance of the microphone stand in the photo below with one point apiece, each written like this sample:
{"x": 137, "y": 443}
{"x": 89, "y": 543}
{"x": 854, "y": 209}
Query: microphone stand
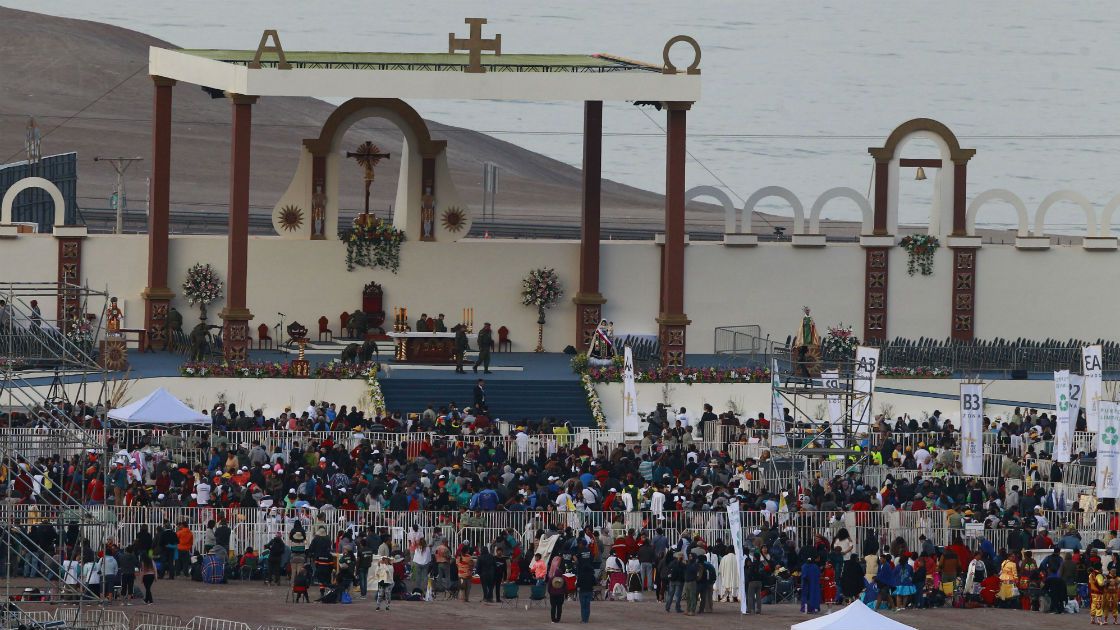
{"x": 280, "y": 333}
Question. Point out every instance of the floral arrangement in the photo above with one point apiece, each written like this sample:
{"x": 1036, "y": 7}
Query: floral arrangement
{"x": 593, "y": 401}
{"x": 334, "y": 370}
{"x": 840, "y": 343}
{"x": 685, "y": 375}
{"x": 376, "y": 397}
{"x": 202, "y": 285}
{"x": 373, "y": 243}
{"x": 921, "y": 248}
{"x": 916, "y": 372}
{"x": 541, "y": 288}
{"x": 11, "y": 364}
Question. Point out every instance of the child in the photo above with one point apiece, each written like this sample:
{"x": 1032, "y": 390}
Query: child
{"x": 383, "y": 576}
{"x": 302, "y": 583}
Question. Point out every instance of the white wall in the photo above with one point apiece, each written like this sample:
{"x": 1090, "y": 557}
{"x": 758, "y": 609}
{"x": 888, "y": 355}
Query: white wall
{"x": 765, "y": 285}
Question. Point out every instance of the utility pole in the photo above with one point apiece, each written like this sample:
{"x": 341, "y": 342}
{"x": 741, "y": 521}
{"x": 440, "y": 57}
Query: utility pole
{"x": 120, "y": 164}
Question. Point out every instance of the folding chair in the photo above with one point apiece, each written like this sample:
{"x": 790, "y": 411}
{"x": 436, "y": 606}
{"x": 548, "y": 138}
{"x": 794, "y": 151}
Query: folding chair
{"x": 538, "y": 596}
{"x": 510, "y": 595}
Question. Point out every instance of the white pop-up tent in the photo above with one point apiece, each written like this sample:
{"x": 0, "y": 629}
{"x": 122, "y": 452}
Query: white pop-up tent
{"x": 855, "y": 616}
{"x": 159, "y": 407}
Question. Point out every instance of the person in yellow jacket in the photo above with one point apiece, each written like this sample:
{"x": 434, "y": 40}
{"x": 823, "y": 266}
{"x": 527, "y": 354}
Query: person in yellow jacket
{"x": 1096, "y": 597}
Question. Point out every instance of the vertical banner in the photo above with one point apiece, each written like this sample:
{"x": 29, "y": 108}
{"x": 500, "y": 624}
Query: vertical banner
{"x": 1062, "y": 433}
{"x": 867, "y": 369}
{"x": 736, "y": 525}
{"x": 1108, "y": 451}
{"x": 831, "y": 380}
{"x": 972, "y": 429}
{"x": 1093, "y": 369}
{"x": 1076, "y": 393}
{"x": 631, "y": 423}
{"x": 777, "y": 415}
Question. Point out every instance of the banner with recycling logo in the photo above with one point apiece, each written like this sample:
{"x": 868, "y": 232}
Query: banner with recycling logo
{"x": 1062, "y": 432}
{"x": 1093, "y": 369}
{"x": 972, "y": 429}
{"x": 1108, "y": 451}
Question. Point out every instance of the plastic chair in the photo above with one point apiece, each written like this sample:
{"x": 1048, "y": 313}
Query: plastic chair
{"x": 324, "y": 328}
{"x": 248, "y": 569}
{"x": 263, "y": 338}
{"x": 538, "y": 596}
{"x": 503, "y": 340}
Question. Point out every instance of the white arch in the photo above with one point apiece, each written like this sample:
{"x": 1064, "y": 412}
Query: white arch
{"x": 1068, "y": 195}
{"x": 992, "y": 195}
{"x": 848, "y": 193}
{"x": 33, "y": 182}
{"x": 1105, "y": 228}
{"x": 729, "y": 221}
{"x": 775, "y": 191}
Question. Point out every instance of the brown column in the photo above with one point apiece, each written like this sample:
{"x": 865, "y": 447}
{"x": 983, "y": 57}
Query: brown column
{"x": 882, "y": 185}
{"x": 157, "y": 296}
{"x": 960, "y": 179}
{"x": 236, "y": 316}
{"x": 875, "y": 294}
{"x": 672, "y": 322}
{"x": 964, "y": 294}
{"x": 69, "y": 305}
{"x": 589, "y": 302}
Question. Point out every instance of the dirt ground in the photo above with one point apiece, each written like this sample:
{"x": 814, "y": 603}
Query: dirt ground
{"x": 258, "y": 604}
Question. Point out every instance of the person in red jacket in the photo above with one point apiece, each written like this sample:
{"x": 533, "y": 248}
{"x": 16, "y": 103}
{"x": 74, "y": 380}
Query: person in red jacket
{"x": 95, "y": 491}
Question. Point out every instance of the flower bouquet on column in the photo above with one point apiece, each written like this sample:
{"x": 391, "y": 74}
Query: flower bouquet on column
{"x": 202, "y": 286}
{"x": 920, "y": 248}
{"x": 541, "y": 288}
{"x": 839, "y": 344}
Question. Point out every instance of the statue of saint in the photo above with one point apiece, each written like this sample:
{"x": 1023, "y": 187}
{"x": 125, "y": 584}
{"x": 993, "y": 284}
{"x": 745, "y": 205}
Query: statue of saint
{"x": 806, "y": 348}
{"x": 427, "y": 216}
{"x": 113, "y": 317}
{"x": 601, "y": 346}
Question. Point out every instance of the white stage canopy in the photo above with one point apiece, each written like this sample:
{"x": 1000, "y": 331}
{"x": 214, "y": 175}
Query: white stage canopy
{"x": 159, "y": 407}
{"x": 856, "y": 616}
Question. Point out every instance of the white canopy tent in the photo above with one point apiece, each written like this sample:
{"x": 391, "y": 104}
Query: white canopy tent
{"x": 855, "y": 616}
{"x": 159, "y": 407}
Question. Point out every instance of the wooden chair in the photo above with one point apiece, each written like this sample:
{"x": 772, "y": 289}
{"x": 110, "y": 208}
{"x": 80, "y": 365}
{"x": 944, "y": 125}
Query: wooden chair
{"x": 345, "y": 319}
{"x": 324, "y": 328}
{"x": 263, "y": 338}
{"x": 503, "y": 340}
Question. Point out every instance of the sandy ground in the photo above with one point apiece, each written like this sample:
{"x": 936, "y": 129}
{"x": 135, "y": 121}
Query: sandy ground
{"x": 257, "y": 604}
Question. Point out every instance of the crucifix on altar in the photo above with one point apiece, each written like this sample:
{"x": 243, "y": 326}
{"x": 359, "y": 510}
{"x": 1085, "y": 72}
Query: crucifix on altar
{"x": 367, "y": 156}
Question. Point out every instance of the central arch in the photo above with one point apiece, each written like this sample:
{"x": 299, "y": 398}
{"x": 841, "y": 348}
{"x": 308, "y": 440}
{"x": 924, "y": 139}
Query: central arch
{"x": 424, "y": 188}
{"x": 33, "y": 182}
{"x": 953, "y": 163}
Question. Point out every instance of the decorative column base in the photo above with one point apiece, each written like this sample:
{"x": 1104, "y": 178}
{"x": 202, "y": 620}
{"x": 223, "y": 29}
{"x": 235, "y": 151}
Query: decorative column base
{"x": 964, "y": 294}
{"x": 235, "y": 334}
{"x": 589, "y": 311}
{"x": 671, "y": 331}
{"x": 875, "y": 294}
{"x": 157, "y": 302}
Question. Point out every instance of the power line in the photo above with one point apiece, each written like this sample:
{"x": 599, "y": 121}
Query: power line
{"x": 541, "y": 132}
{"x": 88, "y": 105}
{"x": 704, "y": 166}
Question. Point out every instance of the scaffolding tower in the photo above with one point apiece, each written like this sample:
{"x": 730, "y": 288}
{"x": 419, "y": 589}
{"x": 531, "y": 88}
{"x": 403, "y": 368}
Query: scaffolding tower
{"x": 830, "y": 414}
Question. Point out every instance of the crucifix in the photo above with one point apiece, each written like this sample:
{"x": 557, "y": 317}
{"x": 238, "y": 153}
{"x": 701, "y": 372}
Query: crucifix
{"x": 474, "y": 44}
{"x": 367, "y": 156}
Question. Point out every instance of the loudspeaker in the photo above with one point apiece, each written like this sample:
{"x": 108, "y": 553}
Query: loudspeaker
{"x": 1018, "y": 375}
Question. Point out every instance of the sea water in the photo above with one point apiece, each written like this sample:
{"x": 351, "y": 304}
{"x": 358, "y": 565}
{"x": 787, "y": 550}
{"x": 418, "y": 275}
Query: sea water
{"x": 793, "y": 92}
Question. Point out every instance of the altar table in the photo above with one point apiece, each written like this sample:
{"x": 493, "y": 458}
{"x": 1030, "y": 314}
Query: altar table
{"x": 430, "y": 347}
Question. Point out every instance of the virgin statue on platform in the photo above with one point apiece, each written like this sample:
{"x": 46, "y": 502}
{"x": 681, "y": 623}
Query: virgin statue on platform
{"x": 601, "y": 346}
{"x": 806, "y": 348}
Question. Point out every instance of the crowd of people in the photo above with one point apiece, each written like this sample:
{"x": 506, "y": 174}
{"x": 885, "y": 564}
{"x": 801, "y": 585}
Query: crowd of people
{"x": 457, "y": 465}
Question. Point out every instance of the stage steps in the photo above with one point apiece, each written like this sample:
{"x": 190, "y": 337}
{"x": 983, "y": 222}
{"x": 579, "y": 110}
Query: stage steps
{"x": 509, "y": 400}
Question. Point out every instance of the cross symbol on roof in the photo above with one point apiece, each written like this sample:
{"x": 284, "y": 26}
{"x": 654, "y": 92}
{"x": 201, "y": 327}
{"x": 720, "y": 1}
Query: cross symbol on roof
{"x": 474, "y": 44}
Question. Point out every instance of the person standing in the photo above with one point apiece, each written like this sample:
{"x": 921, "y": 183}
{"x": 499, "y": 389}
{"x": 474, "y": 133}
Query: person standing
{"x": 383, "y": 575}
{"x": 185, "y": 539}
{"x": 464, "y": 565}
{"x": 486, "y": 571}
{"x": 755, "y": 573}
{"x": 365, "y": 563}
{"x": 692, "y": 575}
{"x": 485, "y": 344}
{"x": 147, "y": 576}
{"x": 421, "y": 558}
{"x": 557, "y": 590}
{"x": 462, "y": 345}
{"x": 168, "y": 545}
{"x": 127, "y": 564}
{"x": 585, "y": 584}
{"x": 675, "y": 576}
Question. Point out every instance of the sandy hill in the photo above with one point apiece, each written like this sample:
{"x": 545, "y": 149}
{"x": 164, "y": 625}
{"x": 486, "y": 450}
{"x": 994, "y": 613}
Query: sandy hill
{"x": 87, "y": 84}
